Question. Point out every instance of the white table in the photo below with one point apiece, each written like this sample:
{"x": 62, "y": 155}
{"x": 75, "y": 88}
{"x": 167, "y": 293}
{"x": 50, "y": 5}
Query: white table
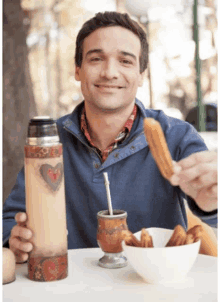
{"x": 89, "y": 282}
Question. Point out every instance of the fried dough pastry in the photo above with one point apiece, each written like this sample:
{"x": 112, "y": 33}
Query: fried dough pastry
{"x": 130, "y": 239}
{"x": 196, "y": 231}
{"x": 189, "y": 239}
{"x": 158, "y": 146}
{"x": 146, "y": 239}
{"x": 178, "y": 237}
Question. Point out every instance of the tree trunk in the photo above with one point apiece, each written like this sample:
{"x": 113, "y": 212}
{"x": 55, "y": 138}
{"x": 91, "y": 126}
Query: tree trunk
{"x": 18, "y": 98}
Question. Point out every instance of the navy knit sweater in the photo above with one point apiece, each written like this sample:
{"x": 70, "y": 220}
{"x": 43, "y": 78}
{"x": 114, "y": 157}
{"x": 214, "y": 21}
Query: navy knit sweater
{"x": 136, "y": 184}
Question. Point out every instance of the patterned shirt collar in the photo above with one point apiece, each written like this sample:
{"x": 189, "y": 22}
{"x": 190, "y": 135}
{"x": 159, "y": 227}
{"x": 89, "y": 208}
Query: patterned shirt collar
{"x": 119, "y": 139}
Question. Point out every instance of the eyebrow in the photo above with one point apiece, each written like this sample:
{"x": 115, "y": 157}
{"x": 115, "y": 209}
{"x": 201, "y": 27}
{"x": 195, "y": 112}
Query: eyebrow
{"x": 125, "y": 53}
{"x": 91, "y": 51}
{"x": 98, "y": 50}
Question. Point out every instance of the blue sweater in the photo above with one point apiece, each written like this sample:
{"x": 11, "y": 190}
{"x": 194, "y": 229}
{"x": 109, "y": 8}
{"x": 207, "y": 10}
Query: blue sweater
{"x": 136, "y": 184}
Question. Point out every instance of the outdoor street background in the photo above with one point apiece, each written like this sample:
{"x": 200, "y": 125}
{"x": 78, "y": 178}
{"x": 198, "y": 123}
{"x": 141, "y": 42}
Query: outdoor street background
{"x": 38, "y": 63}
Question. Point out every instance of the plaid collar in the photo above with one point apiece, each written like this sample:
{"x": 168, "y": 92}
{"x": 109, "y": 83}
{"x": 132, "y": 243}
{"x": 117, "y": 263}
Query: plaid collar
{"x": 119, "y": 139}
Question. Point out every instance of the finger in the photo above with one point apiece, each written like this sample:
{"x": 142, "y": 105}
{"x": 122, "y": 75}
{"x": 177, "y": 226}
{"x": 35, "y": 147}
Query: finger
{"x": 193, "y": 159}
{"x": 20, "y": 256}
{"x": 22, "y": 232}
{"x": 197, "y": 171}
{"x": 21, "y": 218}
{"x": 176, "y": 168}
{"x": 174, "y": 179}
{"x": 205, "y": 180}
{"x": 17, "y": 244}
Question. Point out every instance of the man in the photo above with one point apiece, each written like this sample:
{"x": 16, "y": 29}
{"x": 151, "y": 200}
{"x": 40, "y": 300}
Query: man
{"x": 105, "y": 134}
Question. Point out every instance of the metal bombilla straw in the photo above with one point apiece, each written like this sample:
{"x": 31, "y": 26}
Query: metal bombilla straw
{"x": 105, "y": 174}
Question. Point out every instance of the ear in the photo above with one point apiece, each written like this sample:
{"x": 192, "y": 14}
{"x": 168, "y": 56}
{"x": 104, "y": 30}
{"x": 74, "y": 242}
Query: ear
{"x": 77, "y": 73}
{"x": 141, "y": 79}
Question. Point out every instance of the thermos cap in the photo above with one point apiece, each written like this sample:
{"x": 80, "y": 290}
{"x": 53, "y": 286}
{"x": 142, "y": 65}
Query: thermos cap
{"x": 41, "y": 126}
{"x": 42, "y": 130}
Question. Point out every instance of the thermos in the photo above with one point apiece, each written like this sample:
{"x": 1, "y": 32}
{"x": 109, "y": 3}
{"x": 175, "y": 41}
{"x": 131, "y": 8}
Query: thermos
{"x": 45, "y": 201}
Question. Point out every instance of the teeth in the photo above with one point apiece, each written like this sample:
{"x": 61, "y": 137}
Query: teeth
{"x": 119, "y": 87}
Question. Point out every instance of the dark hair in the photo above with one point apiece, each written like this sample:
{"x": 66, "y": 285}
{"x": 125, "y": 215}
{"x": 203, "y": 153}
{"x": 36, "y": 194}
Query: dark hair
{"x": 108, "y": 19}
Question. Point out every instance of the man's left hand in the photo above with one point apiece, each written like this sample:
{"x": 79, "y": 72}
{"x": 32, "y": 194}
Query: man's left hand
{"x": 196, "y": 175}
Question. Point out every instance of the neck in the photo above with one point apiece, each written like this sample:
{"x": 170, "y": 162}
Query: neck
{"x": 104, "y": 126}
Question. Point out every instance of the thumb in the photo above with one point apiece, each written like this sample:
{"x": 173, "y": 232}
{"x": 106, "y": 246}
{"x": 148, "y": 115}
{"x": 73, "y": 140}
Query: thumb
{"x": 176, "y": 168}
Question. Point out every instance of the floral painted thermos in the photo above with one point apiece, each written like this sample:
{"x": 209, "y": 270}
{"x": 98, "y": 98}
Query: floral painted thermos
{"x": 45, "y": 201}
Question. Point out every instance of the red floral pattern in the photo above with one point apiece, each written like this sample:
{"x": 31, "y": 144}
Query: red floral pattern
{"x": 43, "y": 152}
{"x": 119, "y": 139}
{"x": 46, "y": 269}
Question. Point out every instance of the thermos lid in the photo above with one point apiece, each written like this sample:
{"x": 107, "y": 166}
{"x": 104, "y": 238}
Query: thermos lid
{"x": 42, "y": 126}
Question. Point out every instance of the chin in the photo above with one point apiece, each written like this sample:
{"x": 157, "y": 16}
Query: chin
{"x": 113, "y": 105}
{"x": 109, "y": 104}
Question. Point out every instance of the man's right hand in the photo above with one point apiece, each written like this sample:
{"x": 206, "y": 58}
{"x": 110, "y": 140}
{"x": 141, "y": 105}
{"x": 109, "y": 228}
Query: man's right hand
{"x": 18, "y": 241}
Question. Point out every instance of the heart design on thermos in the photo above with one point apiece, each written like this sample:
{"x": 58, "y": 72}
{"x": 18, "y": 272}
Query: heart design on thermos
{"x": 52, "y": 175}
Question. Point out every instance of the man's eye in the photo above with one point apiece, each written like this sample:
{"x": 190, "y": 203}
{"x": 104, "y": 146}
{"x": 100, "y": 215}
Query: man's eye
{"x": 127, "y": 62}
{"x": 95, "y": 59}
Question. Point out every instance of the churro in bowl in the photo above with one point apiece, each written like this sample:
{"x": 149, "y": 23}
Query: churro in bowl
{"x": 161, "y": 255}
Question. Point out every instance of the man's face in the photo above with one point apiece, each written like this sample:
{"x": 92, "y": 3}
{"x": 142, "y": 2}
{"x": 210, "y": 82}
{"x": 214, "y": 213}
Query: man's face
{"x": 110, "y": 70}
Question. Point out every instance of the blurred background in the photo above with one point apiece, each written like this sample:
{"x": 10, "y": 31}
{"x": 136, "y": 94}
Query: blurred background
{"x": 38, "y": 64}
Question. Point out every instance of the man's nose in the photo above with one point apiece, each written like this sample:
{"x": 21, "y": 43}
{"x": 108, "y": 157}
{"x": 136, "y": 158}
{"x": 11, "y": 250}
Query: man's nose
{"x": 110, "y": 70}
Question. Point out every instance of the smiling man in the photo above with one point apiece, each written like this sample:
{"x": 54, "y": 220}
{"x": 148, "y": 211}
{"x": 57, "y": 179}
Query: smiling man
{"x": 105, "y": 134}
{"x": 110, "y": 72}
{"x": 109, "y": 76}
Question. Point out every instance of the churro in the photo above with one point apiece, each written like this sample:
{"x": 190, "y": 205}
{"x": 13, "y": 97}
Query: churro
{"x": 178, "y": 237}
{"x": 146, "y": 239}
{"x": 158, "y": 146}
{"x": 189, "y": 239}
{"x": 130, "y": 239}
{"x": 196, "y": 231}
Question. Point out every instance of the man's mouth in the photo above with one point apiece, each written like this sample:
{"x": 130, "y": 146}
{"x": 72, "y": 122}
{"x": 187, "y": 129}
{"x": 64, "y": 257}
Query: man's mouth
{"x": 109, "y": 86}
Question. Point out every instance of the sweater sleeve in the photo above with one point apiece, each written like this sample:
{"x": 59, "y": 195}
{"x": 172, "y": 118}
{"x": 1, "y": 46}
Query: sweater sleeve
{"x": 210, "y": 218}
{"x": 191, "y": 142}
{"x": 14, "y": 203}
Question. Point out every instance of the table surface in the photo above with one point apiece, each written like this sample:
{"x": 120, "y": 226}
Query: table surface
{"x": 87, "y": 280}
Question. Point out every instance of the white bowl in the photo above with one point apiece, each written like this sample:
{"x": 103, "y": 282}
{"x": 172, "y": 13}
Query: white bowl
{"x": 160, "y": 264}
